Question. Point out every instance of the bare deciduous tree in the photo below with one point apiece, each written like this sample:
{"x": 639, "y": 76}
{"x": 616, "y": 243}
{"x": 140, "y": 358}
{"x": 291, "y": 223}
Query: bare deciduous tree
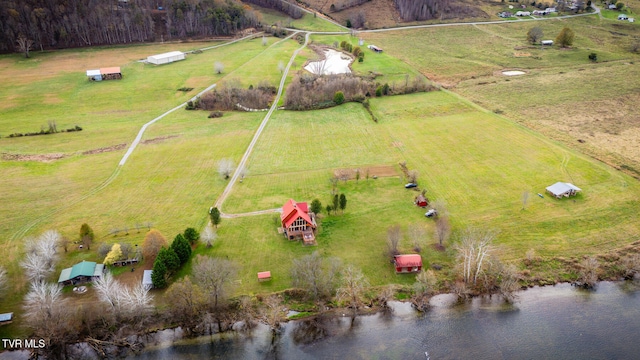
{"x": 443, "y": 229}
{"x": 394, "y": 234}
{"x": 4, "y": 282}
{"x": 264, "y": 41}
{"x": 49, "y": 316}
{"x": 208, "y": 236}
{"x": 508, "y": 282}
{"x": 218, "y": 67}
{"x": 474, "y": 250}
{"x": 424, "y": 286}
{"x": 316, "y": 276}
{"x": 525, "y": 199}
{"x": 417, "y": 233}
{"x": 630, "y": 265}
{"x": 24, "y": 45}
{"x": 353, "y": 286}
{"x": 103, "y": 250}
{"x": 188, "y": 303}
{"x": 124, "y": 302}
{"x": 215, "y": 276}
{"x": 63, "y": 242}
{"x": 225, "y": 168}
{"x": 535, "y": 34}
{"x": 413, "y": 176}
{"x": 153, "y": 241}
{"x": 41, "y": 255}
{"x": 588, "y": 275}
{"x": 281, "y": 66}
{"x": 126, "y": 250}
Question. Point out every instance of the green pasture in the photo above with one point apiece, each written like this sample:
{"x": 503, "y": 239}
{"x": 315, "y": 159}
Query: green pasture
{"x": 110, "y": 112}
{"x": 464, "y": 52}
{"x": 308, "y": 21}
{"x": 478, "y": 163}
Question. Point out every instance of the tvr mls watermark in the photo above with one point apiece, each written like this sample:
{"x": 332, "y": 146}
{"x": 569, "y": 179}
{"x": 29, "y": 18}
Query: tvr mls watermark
{"x": 24, "y": 344}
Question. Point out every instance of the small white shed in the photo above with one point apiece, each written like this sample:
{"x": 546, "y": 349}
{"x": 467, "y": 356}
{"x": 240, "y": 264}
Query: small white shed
{"x": 94, "y": 75}
{"x": 546, "y": 42}
{"x": 147, "y": 283}
{"x": 166, "y": 57}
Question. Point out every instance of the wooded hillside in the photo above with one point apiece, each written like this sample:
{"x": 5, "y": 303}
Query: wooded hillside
{"x": 65, "y": 23}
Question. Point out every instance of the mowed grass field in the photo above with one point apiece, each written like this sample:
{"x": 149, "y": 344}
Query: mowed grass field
{"x": 588, "y": 106}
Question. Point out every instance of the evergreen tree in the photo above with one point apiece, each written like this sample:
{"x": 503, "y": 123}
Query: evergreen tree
{"x": 158, "y": 276}
{"x": 215, "y": 216}
{"x": 181, "y": 247}
{"x": 191, "y": 235}
{"x": 336, "y": 203}
{"x": 316, "y": 206}
{"x": 343, "y": 202}
{"x": 169, "y": 258}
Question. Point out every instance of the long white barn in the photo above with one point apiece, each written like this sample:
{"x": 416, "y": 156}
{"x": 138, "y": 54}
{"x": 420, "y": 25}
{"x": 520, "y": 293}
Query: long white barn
{"x": 166, "y": 58}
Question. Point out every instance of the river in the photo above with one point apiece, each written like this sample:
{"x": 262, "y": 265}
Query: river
{"x": 558, "y": 322}
{"x": 553, "y": 322}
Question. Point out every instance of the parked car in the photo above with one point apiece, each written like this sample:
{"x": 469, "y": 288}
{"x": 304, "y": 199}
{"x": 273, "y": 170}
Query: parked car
{"x": 431, "y": 213}
{"x": 410, "y": 185}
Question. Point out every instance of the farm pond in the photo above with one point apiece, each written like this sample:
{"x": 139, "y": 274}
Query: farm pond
{"x": 553, "y": 322}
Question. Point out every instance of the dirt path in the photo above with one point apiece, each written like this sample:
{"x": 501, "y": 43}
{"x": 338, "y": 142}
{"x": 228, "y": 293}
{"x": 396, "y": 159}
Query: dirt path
{"x": 274, "y": 106}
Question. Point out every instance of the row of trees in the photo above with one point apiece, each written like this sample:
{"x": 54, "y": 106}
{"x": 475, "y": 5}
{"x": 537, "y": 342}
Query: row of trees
{"x": 169, "y": 259}
{"x": 564, "y": 39}
{"x": 58, "y": 23}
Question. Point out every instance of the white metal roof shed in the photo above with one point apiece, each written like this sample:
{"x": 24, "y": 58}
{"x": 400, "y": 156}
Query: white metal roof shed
{"x": 166, "y": 57}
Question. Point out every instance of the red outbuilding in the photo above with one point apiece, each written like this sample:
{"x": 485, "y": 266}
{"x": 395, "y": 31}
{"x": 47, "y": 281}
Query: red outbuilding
{"x": 406, "y": 264}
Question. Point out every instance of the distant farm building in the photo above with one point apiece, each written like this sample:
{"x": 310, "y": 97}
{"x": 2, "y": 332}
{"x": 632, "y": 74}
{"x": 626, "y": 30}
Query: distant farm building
{"x": 81, "y": 272}
{"x": 562, "y": 189}
{"x": 110, "y": 73}
{"x": 505, "y": 14}
{"x": 147, "y": 283}
{"x": 6, "y": 318}
{"x": 421, "y": 201}
{"x": 546, "y": 42}
{"x": 166, "y": 58}
{"x": 374, "y": 48}
{"x": 623, "y": 17}
{"x": 264, "y": 276}
{"x": 407, "y": 264}
{"x": 297, "y": 222}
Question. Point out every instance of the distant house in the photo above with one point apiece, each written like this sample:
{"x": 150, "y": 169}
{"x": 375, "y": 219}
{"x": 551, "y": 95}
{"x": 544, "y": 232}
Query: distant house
{"x": 505, "y": 14}
{"x": 6, "y": 318}
{"x": 407, "y": 264}
{"x": 562, "y": 189}
{"x": 166, "y": 58}
{"x": 147, "y": 283}
{"x": 623, "y": 17}
{"x": 374, "y": 48}
{"x": 632, "y": 19}
{"x": 539, "y": 12}
{"x": 612, "y": 6}
{"x": 81, "y": 272}
{"x": 550, "y": 10}
{"x": 110, "y": 73}
{"x": 546, "y": 42}
{"x": 523, "y": 13}
{"x": 297, "y": 222}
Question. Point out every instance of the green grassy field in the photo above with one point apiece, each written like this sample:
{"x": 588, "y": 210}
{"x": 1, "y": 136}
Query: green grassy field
{"x": 478, "y": 162}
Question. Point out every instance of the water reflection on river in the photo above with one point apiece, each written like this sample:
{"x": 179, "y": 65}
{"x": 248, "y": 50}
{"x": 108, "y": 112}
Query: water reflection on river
{"x": 559, "y": 322}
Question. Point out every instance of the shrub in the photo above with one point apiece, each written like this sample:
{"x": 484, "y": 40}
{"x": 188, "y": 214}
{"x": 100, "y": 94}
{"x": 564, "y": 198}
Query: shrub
{"x": 593, "y": 57}
{"x": 338, "y": 98}
{"x": 215, "y": 114}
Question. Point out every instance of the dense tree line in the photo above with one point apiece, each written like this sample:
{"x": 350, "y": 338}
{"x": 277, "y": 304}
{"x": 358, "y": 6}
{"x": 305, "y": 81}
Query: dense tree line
{"x": 64, "y": 23}
{"x": 280, "y": 5}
